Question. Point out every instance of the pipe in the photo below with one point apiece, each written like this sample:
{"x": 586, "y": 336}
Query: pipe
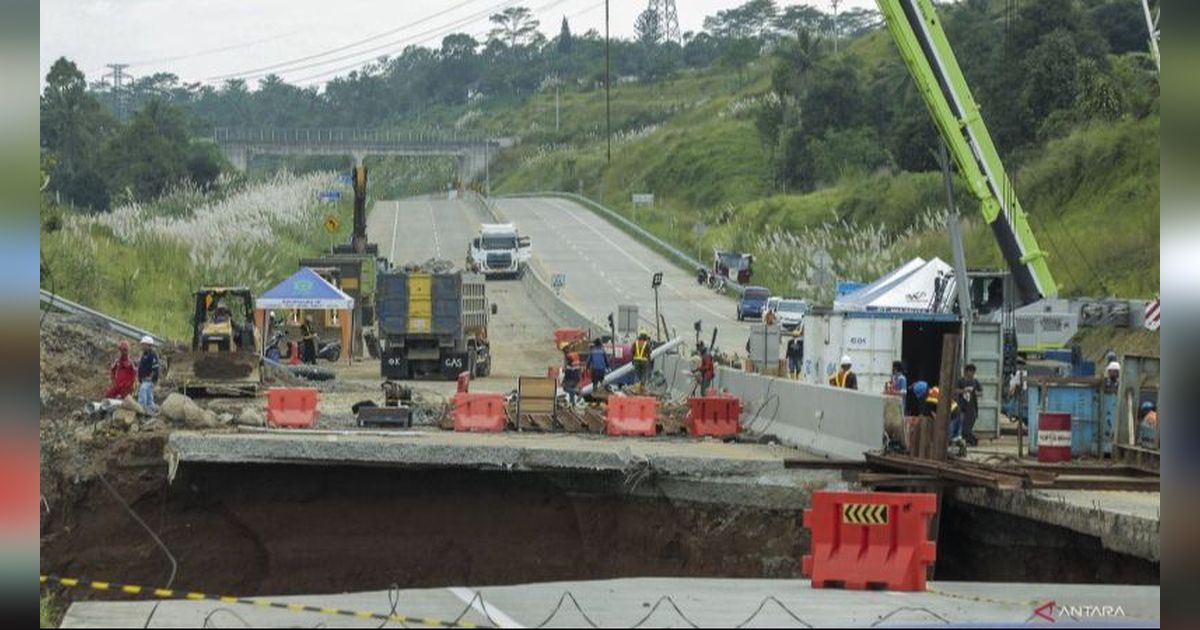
{"x": 628, "y": 367}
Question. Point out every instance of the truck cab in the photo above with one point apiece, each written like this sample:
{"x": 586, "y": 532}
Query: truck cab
{"x": 499, "y": 251}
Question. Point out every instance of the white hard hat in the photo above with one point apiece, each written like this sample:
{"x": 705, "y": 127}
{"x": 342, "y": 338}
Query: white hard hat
{"x": 1113, "y": 365}
{"x": 845, "y": 360}
{"x": 148, "y": 340}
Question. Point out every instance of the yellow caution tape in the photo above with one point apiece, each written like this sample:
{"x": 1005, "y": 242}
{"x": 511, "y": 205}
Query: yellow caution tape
{"x": 167, "y": 593}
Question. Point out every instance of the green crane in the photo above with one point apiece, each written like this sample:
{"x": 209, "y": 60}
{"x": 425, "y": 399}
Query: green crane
{"x": 918, "y": 34}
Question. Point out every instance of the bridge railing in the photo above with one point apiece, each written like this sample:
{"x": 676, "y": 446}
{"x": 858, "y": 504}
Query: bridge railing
{"x": 342, "y": 136}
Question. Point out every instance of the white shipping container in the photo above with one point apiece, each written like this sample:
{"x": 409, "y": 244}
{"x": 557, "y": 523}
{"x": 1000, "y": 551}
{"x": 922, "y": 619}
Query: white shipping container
{"x": 871, "y": 343}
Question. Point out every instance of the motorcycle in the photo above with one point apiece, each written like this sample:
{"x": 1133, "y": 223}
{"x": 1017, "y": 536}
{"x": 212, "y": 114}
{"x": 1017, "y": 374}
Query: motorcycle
{"x": 278, "y": 349}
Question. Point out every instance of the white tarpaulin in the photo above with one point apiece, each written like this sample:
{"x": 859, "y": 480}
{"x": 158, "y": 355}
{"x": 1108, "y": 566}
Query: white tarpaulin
{"x": 913, "y": 286}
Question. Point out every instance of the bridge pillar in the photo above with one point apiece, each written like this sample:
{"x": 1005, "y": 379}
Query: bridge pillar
{"x": 238, "y": 156}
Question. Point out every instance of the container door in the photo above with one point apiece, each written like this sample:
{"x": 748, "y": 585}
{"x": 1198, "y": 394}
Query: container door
{"x": 985, "y": 348}
{"x": 872, "y": 344}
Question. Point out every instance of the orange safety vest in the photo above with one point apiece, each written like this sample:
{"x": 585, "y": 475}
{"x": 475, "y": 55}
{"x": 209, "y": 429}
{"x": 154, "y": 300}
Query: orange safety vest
{"x": 641, "y": 350}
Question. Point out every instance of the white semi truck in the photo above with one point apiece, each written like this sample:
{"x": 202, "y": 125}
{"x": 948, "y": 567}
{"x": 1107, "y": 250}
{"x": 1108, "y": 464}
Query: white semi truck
{"x": 499, "y": 251}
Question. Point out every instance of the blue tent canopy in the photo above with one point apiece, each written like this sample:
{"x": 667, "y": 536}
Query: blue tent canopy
{"x": 304, "y": 290}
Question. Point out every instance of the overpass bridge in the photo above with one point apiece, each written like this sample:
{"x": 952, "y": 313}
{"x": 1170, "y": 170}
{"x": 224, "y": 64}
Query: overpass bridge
{"x": 473, "y": 152}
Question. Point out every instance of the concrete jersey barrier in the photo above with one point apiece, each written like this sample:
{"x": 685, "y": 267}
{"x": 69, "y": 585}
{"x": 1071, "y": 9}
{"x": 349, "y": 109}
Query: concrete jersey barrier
{"x": 838, "y": 423}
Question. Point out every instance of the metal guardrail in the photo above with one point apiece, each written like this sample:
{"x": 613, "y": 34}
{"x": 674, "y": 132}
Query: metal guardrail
{"x": 374, "y": 137}
{"x": 52, "y": 300}
{"x": 681, "y": 257}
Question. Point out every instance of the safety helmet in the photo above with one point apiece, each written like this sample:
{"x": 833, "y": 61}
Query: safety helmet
{"x": 846, "y": 360}
{"x": 920, "y": 388}
{"x": 935, "y": 392}
{"x": 147, "y": 340}
{"x": 1146, "y": 406}
{"x": 1113, "y": 365}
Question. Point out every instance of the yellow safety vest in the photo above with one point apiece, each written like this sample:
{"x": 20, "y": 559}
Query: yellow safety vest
{"x": 641, "y": 350}
{"x": 839, "y": 378}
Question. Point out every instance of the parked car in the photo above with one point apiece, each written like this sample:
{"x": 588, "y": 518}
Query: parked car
{"x": 790, "y": 312}
{"x": 753, "y": 303}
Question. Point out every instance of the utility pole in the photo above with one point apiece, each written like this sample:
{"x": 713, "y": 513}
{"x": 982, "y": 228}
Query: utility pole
{"x": 607, "y": 88}
{"x": 835, "y": 4}
{"x": 118, "y": 79}
{"x": 1152, "y": 27}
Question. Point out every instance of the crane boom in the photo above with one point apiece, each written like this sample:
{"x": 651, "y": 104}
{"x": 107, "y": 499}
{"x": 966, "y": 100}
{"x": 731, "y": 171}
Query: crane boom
{"x": 918, "y": 34}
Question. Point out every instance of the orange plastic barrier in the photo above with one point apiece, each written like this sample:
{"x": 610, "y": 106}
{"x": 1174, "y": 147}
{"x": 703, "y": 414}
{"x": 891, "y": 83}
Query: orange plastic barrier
{"x": 292, "y": 407}
{"x": 478, "y": 412}
{"x": 876, "y": 540}
{"x": 564, "y": 336}
{"x": 714, "y": 415}
{"x": 631, "y": 415}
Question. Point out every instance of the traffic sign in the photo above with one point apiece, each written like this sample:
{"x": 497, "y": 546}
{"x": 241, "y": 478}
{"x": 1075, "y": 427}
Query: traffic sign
{"x": 330, "y": 195}
{"x": 1152, "y": 320}
{"x": 332, "y": 224}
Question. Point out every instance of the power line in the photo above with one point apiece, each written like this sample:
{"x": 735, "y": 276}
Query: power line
{"x": 431, "y": 34}
{"x": 212, "y": 51}
{"x": 392, "y": 46}
{"x": 265, "y": 69}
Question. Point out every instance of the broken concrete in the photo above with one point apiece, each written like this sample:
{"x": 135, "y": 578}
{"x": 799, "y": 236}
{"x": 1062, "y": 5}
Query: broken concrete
{"x": 1125, "y": 522}
{"x": 505, "y": 451}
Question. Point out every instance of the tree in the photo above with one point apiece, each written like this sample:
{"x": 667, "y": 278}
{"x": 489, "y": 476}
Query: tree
{"x": 1051, "y": 77}
{"x": 1122, "y": 24}
{"x": 514, "y": 26}
{"x": 73, "y": 127}
{"x": 751, "y": 19}
{"x": 802, "y": 18}
{"x": 648, "y": 27}
{"x": 150, "y": 154}
{"x": 565, "y": 43}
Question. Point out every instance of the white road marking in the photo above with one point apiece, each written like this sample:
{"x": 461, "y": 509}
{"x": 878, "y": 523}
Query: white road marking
{"x": 639, "y": 263}
{"x": 496, "y": 615}
{"x": 395, "y": 224}
{"x": 437, "y": 239}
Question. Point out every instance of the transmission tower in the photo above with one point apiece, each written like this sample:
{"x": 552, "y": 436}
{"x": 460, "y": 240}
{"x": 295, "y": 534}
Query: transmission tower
{"x": 668, "y": 17}
{"x": 118, "y": 80}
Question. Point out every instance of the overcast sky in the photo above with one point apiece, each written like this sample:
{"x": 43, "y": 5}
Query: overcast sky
{"x": 205, "y": 40}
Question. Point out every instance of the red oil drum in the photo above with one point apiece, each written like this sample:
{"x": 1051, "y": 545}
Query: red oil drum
{"x": 1054, "y": 437}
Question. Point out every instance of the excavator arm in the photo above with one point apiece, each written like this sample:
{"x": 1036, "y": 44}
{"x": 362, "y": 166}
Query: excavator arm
{"x": 918, "y": 34}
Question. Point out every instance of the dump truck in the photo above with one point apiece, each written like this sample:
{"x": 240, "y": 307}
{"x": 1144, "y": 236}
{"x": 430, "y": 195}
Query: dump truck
{"x": 432, "y": 324}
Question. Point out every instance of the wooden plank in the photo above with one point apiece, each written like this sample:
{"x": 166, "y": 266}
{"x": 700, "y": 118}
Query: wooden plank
{"x": 951, "y": 471}
{"x": 824, "y": 464}
{"x": 570, "y": 421}
{"x": 947, "y": 379}
{"x": 1124, "y": 484}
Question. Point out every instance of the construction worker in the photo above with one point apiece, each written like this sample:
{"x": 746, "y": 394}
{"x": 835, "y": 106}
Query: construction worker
{"x": 147, "y": 374}
{"x": 572, "y": 375}
{"x": 795, "y": 355}
{"x": 898, "y": 384}
{"x": 123, "y": 373}
{"x": 1148, "y": 425}
{"x": 706, "y": 371}
{"x": 1112, "y": 377}
{"x": 769, "y": 317}
{"x": 597, "y": 364}
{"x": 641, "y": 358}
{"x": 931, "y": 404}
{"x": 309, "y": 337}
{"x": 844, "y": 378}
{"x": 967, "y": 391}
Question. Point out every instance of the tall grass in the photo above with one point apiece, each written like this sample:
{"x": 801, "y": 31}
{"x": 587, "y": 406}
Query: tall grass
{"x": 141, "y": 262}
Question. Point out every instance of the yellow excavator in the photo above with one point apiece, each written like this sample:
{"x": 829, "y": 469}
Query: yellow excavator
{"x": 224, "y": 356}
